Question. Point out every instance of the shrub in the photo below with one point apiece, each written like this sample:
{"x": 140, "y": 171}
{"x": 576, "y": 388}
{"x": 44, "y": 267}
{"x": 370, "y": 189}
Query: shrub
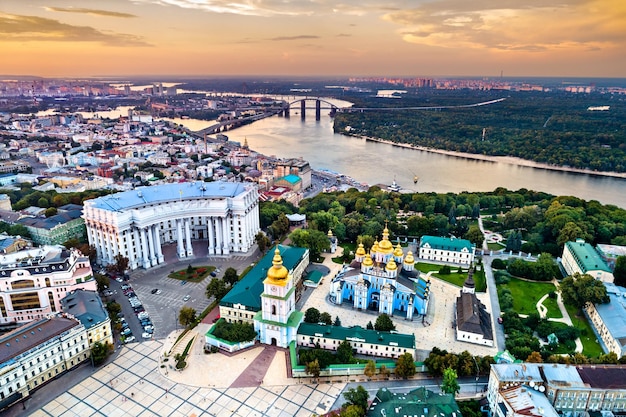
{"x": 498, "y": 264}
{"x": 501, "y": 277}
{"x": 445, "y": 270}
{"x": 181, "y": 364}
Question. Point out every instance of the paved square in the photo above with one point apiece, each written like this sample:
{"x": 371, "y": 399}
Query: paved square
{"x": 134, "y": 386}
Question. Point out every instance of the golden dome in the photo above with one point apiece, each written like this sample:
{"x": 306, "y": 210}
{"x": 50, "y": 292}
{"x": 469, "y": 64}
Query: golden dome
{"x": 277, "y": 271}
{"x": 368, "y": 261}
{"x": 409, "y": 258}
{"x": 398, "y": 252}
{"x": 361, "y": 250}
{"x": 330, "y": 233}
{"x": 385, "y": 245}
{"x": 391, "y": 265}
{"x": 374, "y": 248}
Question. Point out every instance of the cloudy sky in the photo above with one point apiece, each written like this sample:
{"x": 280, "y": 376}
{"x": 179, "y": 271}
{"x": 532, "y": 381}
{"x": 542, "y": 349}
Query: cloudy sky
{"x": 314, "y": 37}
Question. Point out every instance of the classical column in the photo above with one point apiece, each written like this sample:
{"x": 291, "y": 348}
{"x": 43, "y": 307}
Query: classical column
{"x": 157, "y": 242}
{"x": 145, "y": 260}
{"x": 133, "y": 247}
{"x": 218, "y": 235}
{"x": 188, "y": 237}
{"x": 226, "y": 232}
{"x": 179, "y": 239}
{"x": 211, "y": 235}
{"x": 153, "y": 259}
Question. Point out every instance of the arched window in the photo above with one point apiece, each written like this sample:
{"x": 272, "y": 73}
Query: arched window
{"x": 273, "y": 309}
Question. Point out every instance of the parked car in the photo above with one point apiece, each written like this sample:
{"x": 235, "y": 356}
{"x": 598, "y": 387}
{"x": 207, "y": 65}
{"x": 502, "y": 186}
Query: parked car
{"x": 213, "y": 274}
{"x": 127, "y": 332}
{"x": 146, "y": 335}
{"x": 186, "y": 298}
{"x": 129, "y": 339}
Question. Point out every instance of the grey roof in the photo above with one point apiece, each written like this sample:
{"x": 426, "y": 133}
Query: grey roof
{"x": 613, "y": 314}
{"x": 472, "y": 317}
{"x": 86, "y": 306}
{"x": 166, "y": 192}
{"x": 561, "y": 375}
{"x": 32, "y": 335}
{"x": 50, "y": 223}
{"x": 517, "y": 371}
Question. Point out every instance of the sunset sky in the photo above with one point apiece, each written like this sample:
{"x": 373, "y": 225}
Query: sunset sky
{"x": 314, "y": 37}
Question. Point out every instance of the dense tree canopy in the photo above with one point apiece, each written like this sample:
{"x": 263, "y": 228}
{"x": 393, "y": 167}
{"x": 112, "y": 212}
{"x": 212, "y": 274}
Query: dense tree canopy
{"x": 553, "y": 128}
{"x": 579, "y": 290}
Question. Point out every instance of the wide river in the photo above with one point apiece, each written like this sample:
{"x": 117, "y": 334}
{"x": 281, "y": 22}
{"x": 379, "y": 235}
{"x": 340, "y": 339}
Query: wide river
{"x": 377, "y": 163}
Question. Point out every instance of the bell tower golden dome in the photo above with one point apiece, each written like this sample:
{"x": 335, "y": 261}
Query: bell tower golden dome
{"x": 277, "y": 274}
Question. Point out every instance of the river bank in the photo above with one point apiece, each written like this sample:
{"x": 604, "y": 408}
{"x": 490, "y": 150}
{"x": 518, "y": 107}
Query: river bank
{"x": 504, "y": 159}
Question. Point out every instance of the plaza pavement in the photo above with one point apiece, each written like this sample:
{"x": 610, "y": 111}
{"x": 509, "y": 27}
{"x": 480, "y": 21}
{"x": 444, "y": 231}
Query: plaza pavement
{"x": 135, "y": 385}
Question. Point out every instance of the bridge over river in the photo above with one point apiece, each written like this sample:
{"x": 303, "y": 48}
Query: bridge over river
{"x": 284, "y": 109}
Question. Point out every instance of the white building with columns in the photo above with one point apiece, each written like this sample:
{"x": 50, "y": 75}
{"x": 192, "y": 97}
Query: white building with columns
{"x": 137, "y": 223}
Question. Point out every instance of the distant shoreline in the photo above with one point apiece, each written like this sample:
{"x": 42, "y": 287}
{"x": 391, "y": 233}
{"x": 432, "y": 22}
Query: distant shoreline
{"x": 503, "y": 159}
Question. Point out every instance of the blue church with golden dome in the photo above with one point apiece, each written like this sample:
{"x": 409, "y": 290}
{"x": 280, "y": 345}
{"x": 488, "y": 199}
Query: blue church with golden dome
{"x": 384, "y": 280}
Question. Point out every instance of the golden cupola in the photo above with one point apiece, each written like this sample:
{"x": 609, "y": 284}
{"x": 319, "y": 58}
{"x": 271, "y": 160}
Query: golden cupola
{"x": 360, "y": 250}
{"x": 398, "y": 251}
{"x": 391, "y": 265}
{"x": 277, "y": 274}
{"x": 374, "y": 248}
{"x": 368, "y": 262}
{"x": 385, "y": 246}
{"x": 409, "y": 258}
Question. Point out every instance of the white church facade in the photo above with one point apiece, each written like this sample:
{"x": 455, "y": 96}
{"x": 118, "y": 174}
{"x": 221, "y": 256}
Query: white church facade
{"x": 384, "y": 280}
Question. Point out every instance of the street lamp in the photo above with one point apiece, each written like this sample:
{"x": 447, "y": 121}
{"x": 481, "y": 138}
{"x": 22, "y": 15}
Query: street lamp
{"x": 477, "y": 373}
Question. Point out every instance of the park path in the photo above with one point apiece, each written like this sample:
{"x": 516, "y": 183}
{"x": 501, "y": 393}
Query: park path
{"x": 543, "y": 310}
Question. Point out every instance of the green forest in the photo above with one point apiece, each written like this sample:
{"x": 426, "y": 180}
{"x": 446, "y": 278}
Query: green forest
{"x": 548, "y": 127}
{"x": 538, "y": 222}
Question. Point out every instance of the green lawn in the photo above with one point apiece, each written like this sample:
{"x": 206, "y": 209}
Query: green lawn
{"x": 526, "y": 294}
{"x": 195, "y": 274}
{"x": 553, "y": 308}
{"x": 454, "y": 278}
{"x": 591, "y": 347}
{"x": 495, "y": 246}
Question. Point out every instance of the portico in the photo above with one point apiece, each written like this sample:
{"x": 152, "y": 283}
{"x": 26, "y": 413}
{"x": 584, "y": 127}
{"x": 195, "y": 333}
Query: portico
{"x": 225, "y": 214}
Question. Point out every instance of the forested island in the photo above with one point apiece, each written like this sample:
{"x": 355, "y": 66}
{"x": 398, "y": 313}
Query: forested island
{"x": 582, "y": 131}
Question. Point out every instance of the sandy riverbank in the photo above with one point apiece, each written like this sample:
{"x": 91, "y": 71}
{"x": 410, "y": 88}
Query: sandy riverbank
{"x": 503, "y": 159}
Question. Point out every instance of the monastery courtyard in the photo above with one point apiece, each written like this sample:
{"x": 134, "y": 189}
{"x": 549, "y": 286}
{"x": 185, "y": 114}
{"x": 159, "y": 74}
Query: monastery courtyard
{"x": 436, "y": 331}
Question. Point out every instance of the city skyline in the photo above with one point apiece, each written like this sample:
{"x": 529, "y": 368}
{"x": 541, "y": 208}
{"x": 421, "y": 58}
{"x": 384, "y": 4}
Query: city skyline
{"x": 573, "y": 38}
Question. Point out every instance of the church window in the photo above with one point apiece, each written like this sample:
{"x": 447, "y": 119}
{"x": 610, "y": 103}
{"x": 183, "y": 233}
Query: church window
{"x": 273, "y": 309}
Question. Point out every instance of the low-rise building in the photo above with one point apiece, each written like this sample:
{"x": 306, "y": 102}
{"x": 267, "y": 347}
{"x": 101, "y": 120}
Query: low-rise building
{"x": 57, "y": 229}
{"x": 570, "y": 390}
{"x": 419, "y": 402}
{"x": 87, "y": 307}
{"x": 473, "y": 322}
{"x": 363, "y": 341}
{"x": 609, "y": 320}
{"x": 446, "y": 249}
{"x": 243, "y": 301}
{"x": 610, "y": 253}
{"x": 580, "y": 257}
{"x": 38, "y": 352}
{"x": 33, "y": 281}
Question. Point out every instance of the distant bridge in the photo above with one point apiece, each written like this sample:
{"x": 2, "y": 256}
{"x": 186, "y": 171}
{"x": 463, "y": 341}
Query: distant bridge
{"x": 284, "y": 109}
